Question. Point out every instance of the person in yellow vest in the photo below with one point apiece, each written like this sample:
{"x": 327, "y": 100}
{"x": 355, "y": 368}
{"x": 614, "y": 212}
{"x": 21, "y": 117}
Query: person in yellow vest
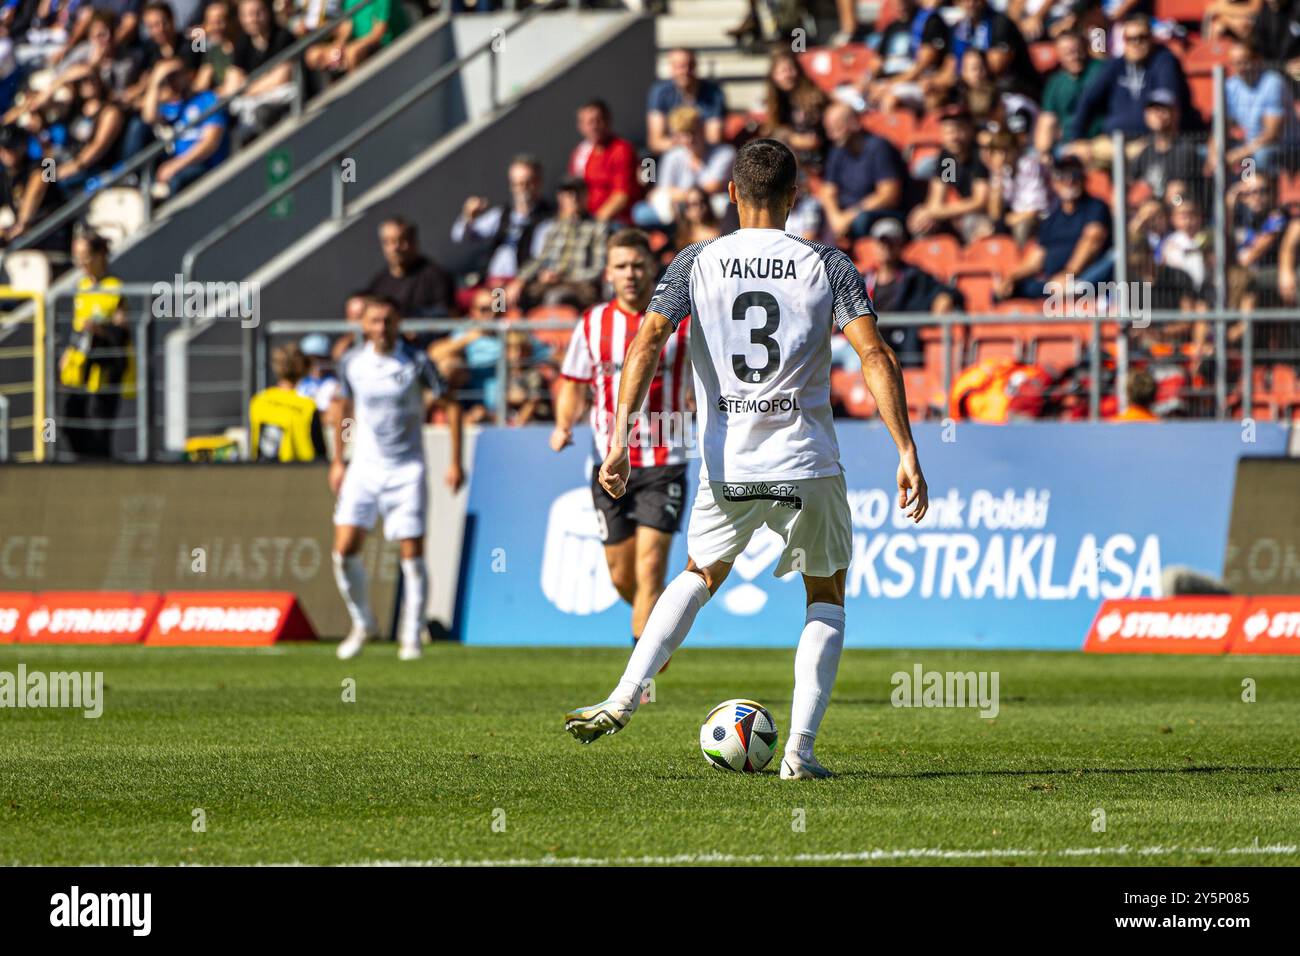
{"x": 283, "y": 425}
{"x": 1141, "y": 389}
{"x": 97, "y": 368}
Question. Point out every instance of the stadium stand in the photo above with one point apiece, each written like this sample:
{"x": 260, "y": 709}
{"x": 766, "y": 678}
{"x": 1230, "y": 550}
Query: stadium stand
{"x": 1207, "y": 230}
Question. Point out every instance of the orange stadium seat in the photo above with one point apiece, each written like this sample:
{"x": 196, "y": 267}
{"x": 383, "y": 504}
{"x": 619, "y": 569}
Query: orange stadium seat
{"x": 1057, "y": 346}
{"x": 927, "y": 131}
{"x": 936, "y": 255}
{"x": 1098, "y": 185}
{"x": 866, "y": 254}
{"x": 1043, "y": 53}
{"x": 1201, "y": 86}
{"x": 1288, "y": 188}
{"x": 920, "y": 152}
{"x": 555, "y": 338}
{"x": 1019, "y": 307}
{"x": 996, "y": 254}
{"x": 988, "y": 340}
{"x": 829, "y": 68}
{"x": 896, "y": 126}
{"x": 976, "y": 288}
{"x": 924, "y": 391}
{"x": 852, "y": 392}
{"x": 1187, "y": 11}
{"x": 1203, "y": 54}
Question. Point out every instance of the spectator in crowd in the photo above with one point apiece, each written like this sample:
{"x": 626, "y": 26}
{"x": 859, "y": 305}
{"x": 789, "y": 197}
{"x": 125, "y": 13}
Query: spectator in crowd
{"x": 1188, "y": 248}
{"x": 216, "y": 54}
{"x": 697, "y": 222}
{"x": 528, "y": 397}
{"x": 1120, "y": 91}
{"x": 1075, "y": 72}
{"x": 793, "y": 106}
{"x": 1260, "y": 104}
{"x": 1019, "y": 188}
{"x": 1257, "y": 226}
{"x": 310, "y": 15}
{"x": 197, "y": 146}
{"x": 125, "y": 18}
{"x": 898, "y": 286}
{"x": 1140, "y": 388}
{"x": 413, "y": 281}
{"x": 915, "y": 59}
{"x": 161, "y": 41}
{"x": 507, "y": 238}
{"x": 607, "y": 164}
{"x": 864, "y": 177}
{"x": 469, "y": 359}
{"x": 319, "y": 382}
{"x": 94, "y": 127}
{"x": 94, "y": 366}
{"x": 957, "y": 198}
{"x": 690, "y": 164}
{"x": 101, "y": 52}
{"x": 1230, "y": 19}
{"x": 567, "y": 270}
{"x": 283, "y": 423}
{"x": 1168, "y": 162}
{"x": 1000, "y": 39}
{"x": 25, "y": 192}
{"x": 1071, "y": 242}
{"x": 683, "y": 88}
{"x": 269, "y": 97}
{"x": 1275, "y": 34}
{"x": 371, "y": 28}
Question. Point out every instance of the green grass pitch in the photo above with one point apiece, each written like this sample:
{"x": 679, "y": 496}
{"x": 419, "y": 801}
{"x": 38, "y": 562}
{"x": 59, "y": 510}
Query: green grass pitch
{"x": 462, "y": 757}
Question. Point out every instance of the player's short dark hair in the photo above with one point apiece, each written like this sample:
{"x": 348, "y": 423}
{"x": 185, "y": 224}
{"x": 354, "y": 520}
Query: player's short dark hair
{"x": 401, "y": 222}
{"x": 596, "y": 104}
{"x": 387, "y": 301}
{"x": 765, "y": 172}
{"x": 288, "y": 363}
{"x": 1141, "y": 388}
{"x": 629, "y": 239}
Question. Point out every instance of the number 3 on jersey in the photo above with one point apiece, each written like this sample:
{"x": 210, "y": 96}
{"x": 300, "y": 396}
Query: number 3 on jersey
{"x": 763, "y": 335}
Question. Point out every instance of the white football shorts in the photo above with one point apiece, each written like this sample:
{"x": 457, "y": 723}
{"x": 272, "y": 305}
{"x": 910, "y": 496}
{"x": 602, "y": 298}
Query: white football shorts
{"x": 811, "y": 515}
{"x": 393, "y": 491}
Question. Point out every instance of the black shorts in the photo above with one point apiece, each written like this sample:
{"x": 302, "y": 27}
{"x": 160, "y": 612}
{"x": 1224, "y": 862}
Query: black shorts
{"x": 655, "y": 498}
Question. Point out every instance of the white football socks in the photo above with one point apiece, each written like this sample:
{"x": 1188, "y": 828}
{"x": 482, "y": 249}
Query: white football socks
{"x": 670, "y": 620}
{"x": 415, "y": 589}
{"x": 350, "y": 576}
{"x": 815, "y": 664}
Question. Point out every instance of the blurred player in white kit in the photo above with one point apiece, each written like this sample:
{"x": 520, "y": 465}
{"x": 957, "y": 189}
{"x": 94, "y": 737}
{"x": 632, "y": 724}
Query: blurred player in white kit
{"x": 385, "y": 390}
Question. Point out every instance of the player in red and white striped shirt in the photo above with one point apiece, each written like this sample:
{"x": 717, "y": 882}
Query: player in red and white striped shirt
{"x": 638, "y": 528}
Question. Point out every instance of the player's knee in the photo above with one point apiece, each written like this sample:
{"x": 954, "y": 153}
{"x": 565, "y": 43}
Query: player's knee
{"x": 623, "y": 577}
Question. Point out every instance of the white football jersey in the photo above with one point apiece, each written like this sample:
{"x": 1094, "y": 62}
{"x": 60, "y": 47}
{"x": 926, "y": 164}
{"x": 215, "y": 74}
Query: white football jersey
{"x": 763, "y": 304}
{"x": 388, "y": 400}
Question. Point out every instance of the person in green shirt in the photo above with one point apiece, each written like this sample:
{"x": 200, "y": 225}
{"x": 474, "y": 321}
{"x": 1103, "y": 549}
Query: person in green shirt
{"x": 1061, "y": 95}
{"x": 374, "y": 25}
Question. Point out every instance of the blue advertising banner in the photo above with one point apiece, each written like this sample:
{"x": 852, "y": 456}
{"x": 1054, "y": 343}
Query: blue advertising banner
{"x": 1030, "y": 527}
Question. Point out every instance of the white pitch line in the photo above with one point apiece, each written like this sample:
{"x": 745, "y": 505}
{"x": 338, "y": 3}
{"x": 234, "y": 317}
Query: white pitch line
{"x": 863, "y": 856}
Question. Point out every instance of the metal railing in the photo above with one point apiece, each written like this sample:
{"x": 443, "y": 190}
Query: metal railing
{"x": 37, "y": 352}
{"x": 340, "y": 148}
{"x": 144, "y": 159}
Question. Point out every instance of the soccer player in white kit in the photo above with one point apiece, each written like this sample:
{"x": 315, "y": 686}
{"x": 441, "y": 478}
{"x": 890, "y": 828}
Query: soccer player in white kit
{"x": 386, "y": 387}
{"x": 763, "y": 305}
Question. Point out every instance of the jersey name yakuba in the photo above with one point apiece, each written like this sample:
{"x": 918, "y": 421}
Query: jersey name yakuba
{"x": 763, "y": 306}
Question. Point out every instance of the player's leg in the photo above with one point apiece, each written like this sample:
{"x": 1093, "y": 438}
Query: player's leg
{"x": 816, "y": 663}
{"x": 657, "y": 497}
{"x": 817, "y": 525}
{"x": 719, "y": 531}
{"x": 651, "y": 565}
{"x": 403, "y": 503}
{"x": 415, "y": 594}
{"x": 621, "y": 560}
{"x": 350, "y": 576}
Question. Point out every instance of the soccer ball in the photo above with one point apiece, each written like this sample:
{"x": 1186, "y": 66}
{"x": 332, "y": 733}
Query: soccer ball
{"x": 738, "y": 735}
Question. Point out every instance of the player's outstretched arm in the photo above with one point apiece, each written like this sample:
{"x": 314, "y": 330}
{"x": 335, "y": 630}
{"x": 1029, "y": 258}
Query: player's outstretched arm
{"x": 639, "y": 367}
{"x": 884, "y": 376}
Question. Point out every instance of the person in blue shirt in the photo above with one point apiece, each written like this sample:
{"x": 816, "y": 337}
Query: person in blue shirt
{"x": 1120, "y": 90}
{"x": 685, "y": 88}
{"x": 1260, "y": 103}
{"x": 864, "y": 177}
{"x": 199, "y": 143}
{"x": 1071, "y": 242}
